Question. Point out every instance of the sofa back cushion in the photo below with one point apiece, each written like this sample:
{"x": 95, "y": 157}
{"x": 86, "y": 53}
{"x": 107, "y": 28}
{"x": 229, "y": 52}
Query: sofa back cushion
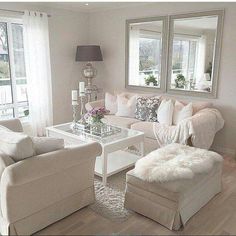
{"x": 47, "y": 144}
{"x": 197, "y": 105}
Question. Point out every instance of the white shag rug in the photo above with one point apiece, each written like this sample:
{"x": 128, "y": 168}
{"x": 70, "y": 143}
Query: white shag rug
{"x": 175, "y": 162}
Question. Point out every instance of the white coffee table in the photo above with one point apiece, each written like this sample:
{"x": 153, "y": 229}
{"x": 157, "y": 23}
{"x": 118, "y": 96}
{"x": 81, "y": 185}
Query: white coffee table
{"x": 113, "y": 159}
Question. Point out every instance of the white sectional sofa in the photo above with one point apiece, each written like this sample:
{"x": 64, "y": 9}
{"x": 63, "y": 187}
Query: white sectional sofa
{"x": 200, "y": 128}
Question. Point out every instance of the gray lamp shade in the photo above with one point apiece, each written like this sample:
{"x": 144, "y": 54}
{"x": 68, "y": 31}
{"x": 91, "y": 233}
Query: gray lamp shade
{"x": 88, "y": 53}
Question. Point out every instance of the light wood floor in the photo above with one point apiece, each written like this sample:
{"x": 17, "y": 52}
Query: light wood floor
{"x": 218, "y": 217}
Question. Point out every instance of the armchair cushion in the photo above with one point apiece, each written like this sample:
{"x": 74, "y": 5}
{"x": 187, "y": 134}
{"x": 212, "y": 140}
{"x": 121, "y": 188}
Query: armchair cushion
{"x": 47, "y": 144}
{"x": 16, "y": 145}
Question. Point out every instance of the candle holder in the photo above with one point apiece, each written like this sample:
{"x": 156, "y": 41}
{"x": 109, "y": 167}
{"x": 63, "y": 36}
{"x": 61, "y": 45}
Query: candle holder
{"x": 74, "y": 109}
{"x": 82, "y": 108}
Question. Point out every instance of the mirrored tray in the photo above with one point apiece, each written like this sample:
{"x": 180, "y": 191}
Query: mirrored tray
{"x": 99, "y": 130}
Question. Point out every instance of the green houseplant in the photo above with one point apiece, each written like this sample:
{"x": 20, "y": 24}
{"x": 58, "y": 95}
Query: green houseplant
{"x": 180, "y": 81}
{"x": 151, "y": 79}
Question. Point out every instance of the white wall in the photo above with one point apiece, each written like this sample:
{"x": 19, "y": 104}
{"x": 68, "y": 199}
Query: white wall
{"x": 66, "y": 30}
{"x": 108, "y": 30}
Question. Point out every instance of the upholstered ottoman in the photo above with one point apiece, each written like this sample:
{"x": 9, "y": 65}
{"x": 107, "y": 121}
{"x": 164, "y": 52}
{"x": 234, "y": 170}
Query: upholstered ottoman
{"x": 171, "y": 184}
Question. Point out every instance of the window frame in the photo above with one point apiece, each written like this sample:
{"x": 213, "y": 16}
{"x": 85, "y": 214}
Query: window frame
{"x": 15, "y": 105}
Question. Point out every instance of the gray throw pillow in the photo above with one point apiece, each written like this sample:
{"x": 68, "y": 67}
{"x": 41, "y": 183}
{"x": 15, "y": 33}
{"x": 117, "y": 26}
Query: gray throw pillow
{"x": 146, "y": 108}
{"x": 140, "y": 111}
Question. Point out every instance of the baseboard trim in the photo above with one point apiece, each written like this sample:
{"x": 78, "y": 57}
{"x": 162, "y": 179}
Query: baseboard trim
{"x": 227, "y": 151}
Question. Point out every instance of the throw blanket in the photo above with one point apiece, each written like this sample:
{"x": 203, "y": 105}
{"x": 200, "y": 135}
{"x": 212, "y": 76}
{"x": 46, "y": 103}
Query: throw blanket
{"x": 201, "y": 127}
{"x": 175, "y": 162}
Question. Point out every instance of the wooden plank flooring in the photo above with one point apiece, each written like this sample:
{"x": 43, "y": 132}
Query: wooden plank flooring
{"x": 218, "y": 217}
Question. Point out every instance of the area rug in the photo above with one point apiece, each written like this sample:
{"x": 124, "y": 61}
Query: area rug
{"x": 110, "y": 198}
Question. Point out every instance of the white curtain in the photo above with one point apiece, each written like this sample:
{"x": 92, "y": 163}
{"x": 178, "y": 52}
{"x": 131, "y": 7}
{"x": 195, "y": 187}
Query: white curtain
{"x": 134, "y": 57}
{"x": 201, "y": 59}
{"x": 38, "y": 70}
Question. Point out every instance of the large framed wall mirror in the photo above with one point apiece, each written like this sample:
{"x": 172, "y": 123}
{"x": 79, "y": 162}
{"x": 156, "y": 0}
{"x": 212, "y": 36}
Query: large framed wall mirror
{"x": 191, "y": 63}
{"x": 194, "y": 53}
{"x": 146, "y": 53}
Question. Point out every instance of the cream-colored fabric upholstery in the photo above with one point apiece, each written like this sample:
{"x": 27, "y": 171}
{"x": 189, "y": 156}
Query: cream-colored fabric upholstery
{"x": 125, "y": 122}
{"x": 13, "y": 124}
{"x": 4, "y": 162}
{"x": 173, "y": 203}
{"x": 16, "y": 145}
{"x": 146, "y": 127}
{"x": 38, "y": 191}
{"x": 47, "y": 144}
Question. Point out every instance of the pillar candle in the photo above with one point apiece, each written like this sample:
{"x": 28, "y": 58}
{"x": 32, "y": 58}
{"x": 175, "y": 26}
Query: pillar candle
{"x": 74, "y": 95}
{"x": 81, "y": 87}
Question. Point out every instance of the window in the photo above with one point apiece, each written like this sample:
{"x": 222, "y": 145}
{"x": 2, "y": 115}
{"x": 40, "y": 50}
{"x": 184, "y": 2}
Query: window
{"x": 184, "y": 59}
{"x": 150, "y": 57}
{"x": 13, "y": 82}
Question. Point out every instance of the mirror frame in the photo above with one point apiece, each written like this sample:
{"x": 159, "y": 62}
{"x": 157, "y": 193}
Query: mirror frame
{"x": 216, "y": 54}
{"x": 164, "y": 52}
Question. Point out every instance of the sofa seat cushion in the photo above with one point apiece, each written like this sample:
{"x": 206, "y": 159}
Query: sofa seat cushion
{"x": 124, "y": 122}
{"x": 145, "y": 127}
{"x": 5, "y": 161}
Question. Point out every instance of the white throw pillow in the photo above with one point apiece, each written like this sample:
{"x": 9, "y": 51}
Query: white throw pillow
{"x": 165, "y": 112}
{"x": 16, "y": 145}
{"x": 126, "y": 106}
{"x": 111, "y": 103}
{"x": 182, "y": 112}
{"x": 47, "y": 144}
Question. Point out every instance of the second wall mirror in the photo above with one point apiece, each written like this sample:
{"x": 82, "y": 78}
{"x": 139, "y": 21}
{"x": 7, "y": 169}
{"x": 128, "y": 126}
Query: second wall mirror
{"x": 194, "y": 53}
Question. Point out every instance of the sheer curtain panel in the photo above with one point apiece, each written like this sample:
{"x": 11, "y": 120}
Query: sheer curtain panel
{"x": 38, "y": 70}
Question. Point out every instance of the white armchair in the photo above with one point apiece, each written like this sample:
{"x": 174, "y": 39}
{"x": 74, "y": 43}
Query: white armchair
{"x": 42, "y": 189}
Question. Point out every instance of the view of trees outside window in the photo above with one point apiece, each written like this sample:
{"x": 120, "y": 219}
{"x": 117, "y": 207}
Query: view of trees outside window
{"x": 150, "y": 60}
{"x": 13, "y": 83}
{"x": 183, "y": 61}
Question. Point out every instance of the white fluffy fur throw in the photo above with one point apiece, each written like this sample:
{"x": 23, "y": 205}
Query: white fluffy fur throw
{"x": 174, "y": 162}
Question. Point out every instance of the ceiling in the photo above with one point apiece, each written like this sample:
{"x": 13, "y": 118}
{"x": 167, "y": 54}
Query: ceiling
{"x": 88, "y": 6}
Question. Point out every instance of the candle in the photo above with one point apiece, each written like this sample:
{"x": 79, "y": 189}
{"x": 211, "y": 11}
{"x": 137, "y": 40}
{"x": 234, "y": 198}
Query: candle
{"x": 74, "y": 95}
{"x": 81, "y": 87}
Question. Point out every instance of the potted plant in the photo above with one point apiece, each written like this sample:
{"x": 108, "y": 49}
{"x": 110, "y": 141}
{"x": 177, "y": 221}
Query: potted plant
{"x": 151, "y": 79}
{"x": 180, "y": 81}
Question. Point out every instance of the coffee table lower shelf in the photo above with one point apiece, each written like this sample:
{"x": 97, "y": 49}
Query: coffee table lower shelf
{"x": 116, "y": 162}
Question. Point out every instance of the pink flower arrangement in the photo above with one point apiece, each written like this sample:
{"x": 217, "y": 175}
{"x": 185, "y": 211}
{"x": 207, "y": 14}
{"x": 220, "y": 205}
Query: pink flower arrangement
{"x": 96, "y": 114}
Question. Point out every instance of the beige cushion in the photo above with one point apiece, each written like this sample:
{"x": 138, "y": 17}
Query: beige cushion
{"x": 124, "y": 122}
{"x": 47, "y": 144}
{"x": 12, "y": 124}
{"x": 145, "y": 127}
{"x": 16, "y": 145}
